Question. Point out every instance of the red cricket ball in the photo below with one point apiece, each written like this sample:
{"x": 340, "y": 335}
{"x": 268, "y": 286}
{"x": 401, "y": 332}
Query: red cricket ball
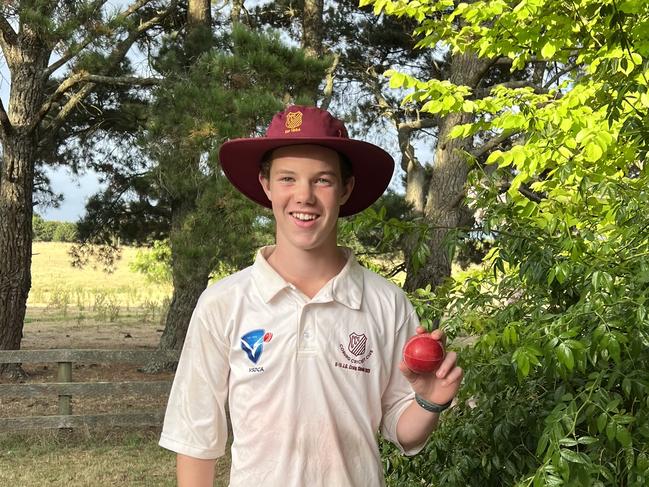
{"x": 423, "y": 354}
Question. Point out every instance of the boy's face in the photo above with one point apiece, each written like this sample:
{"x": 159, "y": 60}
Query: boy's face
{"x": 306, "y": 190}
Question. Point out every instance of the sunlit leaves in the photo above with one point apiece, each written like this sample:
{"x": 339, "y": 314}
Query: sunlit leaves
{"x": 559, "y": 310}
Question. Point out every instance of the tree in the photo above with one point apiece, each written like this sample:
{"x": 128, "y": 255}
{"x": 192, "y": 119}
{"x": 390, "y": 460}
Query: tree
{"x": 31, "y": 33}
{"x": 230, "y": 91}
{"x": 364, "y": 47}
{"x": 559, "y": 309}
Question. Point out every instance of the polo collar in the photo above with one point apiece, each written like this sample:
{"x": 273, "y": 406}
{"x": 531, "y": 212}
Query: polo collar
{"x": 345, "y": 288}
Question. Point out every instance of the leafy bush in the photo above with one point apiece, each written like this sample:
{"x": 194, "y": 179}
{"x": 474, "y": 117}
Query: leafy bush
{"x": 553, "y": 330}
{"x": 53, "y": 231}
{"x": 154, "y": 263}
{"x": 65, "y": 232}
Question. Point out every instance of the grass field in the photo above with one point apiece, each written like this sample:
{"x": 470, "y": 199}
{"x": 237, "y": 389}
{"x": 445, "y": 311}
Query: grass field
{"x": 88, "y": 308}
{"x": 114, "y": 458}
{"x": 58, "y": 286}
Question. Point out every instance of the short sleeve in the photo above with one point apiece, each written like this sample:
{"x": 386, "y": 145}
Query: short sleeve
{"x": 398, "y": 394}
{"x": 195, "y": 421}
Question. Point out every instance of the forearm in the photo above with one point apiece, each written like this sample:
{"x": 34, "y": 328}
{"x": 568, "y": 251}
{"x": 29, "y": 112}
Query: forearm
{"x": 415, "y": 426}
{"x": 194, "y": 472}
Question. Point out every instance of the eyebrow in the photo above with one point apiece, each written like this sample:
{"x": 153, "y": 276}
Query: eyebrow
{"x": 321, "y": 173}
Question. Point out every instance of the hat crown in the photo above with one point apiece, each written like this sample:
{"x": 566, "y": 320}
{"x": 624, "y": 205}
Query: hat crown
{"x": 305, "y": 122}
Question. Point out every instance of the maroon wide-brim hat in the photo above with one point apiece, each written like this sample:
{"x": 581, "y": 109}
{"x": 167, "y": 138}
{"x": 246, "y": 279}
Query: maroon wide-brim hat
{"x": 372, "y": 167}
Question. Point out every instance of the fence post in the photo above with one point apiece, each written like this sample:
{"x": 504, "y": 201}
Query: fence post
{"x": 65, "y": 375}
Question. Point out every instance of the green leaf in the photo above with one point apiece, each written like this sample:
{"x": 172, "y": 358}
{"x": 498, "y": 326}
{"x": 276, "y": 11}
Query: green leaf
{"x": 565, "y": 356}
{"x": 623, "y": 436}
{"x": 522, "y": 362}
{"x": 593, "y": 152}
{"x": 548, "y": 50}
{"x": 611, "y": 430}
{"x": 602, "y": 420}
{"x": 397, "y": 80}
{"x": 574, "y": 457}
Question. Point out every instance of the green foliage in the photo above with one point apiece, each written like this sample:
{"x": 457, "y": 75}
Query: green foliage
{"x": 53, "y": 231}
{"x": 154, "y": 263}
{"x": 230, "y": 91}
{"x": 65, "y": 232}
{"x": 554, "y": 328}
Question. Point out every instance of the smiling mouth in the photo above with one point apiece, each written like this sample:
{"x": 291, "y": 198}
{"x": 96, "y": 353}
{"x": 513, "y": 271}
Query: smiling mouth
{"x": 304, "y": 217}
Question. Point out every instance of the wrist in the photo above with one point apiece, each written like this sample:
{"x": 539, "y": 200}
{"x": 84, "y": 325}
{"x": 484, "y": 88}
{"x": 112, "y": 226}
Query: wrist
{"x": 430, "y": 406}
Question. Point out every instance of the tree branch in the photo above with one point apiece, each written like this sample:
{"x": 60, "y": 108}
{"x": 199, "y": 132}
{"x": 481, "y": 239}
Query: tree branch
{"x": 134, "y": 7}
{"x": 8, "y": 36}
{"x": 67, "y": 108}
{"x": 5, "y": 123}
{"x": 115, "y": 57}
{"x": 529, "y": 194}
{"x": 122, "y": 48}
{"x": 491, "y": 144}
{"x": 420, "y": 123}
{"x": 559, "y": 74}
{"x": 481, "y": 93}
{"x": 73, "y": 53}
{"x": 123, "y": 80}
{"x": 67, "y": 57}
{"x": 329, "y": 86}
{"x": 84, "y": 77}
{"x": 525, "y": 191}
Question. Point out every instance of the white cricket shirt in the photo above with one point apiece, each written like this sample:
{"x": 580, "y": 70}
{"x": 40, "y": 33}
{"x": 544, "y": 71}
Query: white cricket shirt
{"x": 309, "y": 381}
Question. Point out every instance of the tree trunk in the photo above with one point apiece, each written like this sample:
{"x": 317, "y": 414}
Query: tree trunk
{"x": 235, "y": 13}
{"x": 312, "y": 27}
{"x": 189, "y": 273}
{"x": 199, "y": 13}
{"x": 443, "y": 209}
{"x": 26, "y": 60}
{"x": 15, "y": 240}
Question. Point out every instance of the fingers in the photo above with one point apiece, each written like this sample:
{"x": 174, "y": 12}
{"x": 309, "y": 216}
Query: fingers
{"x": 453, "y": 377}
{"x": 447, "y": 365}
{"x": 407, "y": 373}
{"x": 437, "y": 334}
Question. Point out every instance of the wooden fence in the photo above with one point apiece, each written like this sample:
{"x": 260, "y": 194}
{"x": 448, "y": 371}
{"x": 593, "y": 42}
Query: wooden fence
{"x": 64, "y": 388}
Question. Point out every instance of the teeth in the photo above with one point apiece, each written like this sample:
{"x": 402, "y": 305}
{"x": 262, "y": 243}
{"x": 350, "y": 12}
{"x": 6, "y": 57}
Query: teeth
{"x": 304, "y": 216}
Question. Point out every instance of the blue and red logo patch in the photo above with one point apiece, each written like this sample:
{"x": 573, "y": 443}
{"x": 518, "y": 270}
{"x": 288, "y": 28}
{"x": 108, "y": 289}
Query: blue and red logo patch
{"x": 253, "y": 343}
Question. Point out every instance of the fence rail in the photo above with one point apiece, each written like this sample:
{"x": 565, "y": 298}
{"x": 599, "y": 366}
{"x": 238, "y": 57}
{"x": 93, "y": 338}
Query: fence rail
{"x": 65, "y": 389}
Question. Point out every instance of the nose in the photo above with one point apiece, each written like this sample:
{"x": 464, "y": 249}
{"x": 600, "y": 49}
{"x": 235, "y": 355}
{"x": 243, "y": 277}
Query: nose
{"x": 304, "y": 193}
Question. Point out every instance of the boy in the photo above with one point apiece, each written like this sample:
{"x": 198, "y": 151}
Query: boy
{"x": 305, "y": 345}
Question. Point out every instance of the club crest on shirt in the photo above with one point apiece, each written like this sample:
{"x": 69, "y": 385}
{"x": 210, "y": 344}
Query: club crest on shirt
{"x": 357, "y": 344}
{"x": 356, "y": 353}
{"x": 253, "y": 344}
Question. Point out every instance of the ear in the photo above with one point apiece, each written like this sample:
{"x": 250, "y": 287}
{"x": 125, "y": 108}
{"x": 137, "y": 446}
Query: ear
{"x": 265, "y": 184}
{"x": 347, "y": 190}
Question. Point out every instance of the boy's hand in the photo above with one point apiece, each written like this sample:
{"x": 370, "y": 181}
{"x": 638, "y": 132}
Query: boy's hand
{"x": 439, "y": 386}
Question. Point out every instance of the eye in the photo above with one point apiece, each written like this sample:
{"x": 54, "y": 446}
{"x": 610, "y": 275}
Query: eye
{"x": 286, "y": 179}
{"x": 323, "y": 181}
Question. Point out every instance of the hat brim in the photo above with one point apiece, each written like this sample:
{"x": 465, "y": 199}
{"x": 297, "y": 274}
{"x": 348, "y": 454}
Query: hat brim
{"x": 372, "y": 167}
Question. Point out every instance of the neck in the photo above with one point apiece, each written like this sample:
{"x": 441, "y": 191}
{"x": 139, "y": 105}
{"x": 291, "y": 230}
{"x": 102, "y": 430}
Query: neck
{"x": 308, "y": 270}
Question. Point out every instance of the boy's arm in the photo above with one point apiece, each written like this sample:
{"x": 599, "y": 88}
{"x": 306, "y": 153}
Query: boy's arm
{"x": 194, "y": 472}
{"x": 415, "y": 423}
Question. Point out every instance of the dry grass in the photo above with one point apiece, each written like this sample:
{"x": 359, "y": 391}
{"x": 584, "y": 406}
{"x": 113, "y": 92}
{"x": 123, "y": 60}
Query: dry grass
{"x": 106, "y": 458}
{"x": 56, "y": 284}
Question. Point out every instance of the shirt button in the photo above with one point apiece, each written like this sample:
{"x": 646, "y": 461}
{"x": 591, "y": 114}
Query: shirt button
{"x": 307, "y": 335}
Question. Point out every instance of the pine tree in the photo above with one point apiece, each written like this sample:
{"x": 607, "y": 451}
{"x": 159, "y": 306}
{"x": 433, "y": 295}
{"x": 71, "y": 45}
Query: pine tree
{"x": 38, "y": 38}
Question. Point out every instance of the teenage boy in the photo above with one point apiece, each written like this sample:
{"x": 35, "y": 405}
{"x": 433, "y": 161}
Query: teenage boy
{"x": 305, "y": 345}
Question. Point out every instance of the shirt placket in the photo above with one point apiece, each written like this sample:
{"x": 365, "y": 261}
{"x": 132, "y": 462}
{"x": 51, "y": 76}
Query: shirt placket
{"x": 307, "y": 330}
